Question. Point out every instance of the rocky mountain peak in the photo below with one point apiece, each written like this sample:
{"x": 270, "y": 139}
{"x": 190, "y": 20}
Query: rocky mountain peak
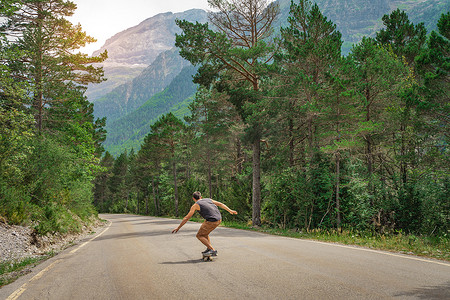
{"x": 141, "y": 44}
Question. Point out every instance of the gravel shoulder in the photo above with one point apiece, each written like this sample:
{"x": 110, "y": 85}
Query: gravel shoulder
{"x": 20, "y": 242}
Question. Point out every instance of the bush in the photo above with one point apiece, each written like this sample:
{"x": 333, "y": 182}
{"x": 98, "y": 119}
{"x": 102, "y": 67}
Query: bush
{"x": 285, "y": 205}
{"x": 14, "y": 205}
{"x": 237, "y": 196}
{"x": 56, "y": 218}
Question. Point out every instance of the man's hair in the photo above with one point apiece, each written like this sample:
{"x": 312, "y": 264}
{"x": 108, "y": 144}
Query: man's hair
{"x": 197, "y": 195}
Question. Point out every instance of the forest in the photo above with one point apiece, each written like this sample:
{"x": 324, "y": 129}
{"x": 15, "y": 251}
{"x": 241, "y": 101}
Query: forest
{"x": 292, "y": 134}
{"x": 283, "y": 128}
{"x": 50, "y": 143}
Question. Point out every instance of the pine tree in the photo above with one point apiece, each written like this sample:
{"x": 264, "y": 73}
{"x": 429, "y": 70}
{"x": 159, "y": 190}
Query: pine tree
{"x": 407, "y": 41}
{"x": 377, "y": 75}
{"x": 310, "y": 51}
{"x": 42, "y": 77}
{"x": 102, "y": 193}
{"x": 311, "y": 46}
{"x": 405, "y": 38}
{"x": 232, "y": 57}
{"x": 58, "y": 76}
{"x": 211, "y": 119}
{"x": 117, "y": 184}
{"x": 433, "y": 66}
{"x": 149, "y": 161}
{"x": 169, "y": 130}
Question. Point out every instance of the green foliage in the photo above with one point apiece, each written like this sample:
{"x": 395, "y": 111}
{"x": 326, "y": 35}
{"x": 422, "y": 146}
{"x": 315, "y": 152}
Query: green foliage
{"x": 49, "y": 141}
{"x": 56, "y": 218}
{"x": 237, "y": 196}
{"x": 287, "y": 206}
{"x": 189, "y": 186}
{"x": 405, "y": 38}
{"x": 349, "y": 146}
{"x": 14, "y": 204}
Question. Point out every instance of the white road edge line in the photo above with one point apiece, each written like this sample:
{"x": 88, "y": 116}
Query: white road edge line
{"x": 360, "y": 248}
{"x": 23, "y": 288}
{"x": 380, "y": 252}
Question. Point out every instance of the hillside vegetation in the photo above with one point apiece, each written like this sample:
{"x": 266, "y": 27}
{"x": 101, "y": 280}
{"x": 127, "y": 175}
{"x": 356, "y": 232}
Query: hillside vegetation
{"x": 129, "y": 131}
{"x": 294, "y": 135}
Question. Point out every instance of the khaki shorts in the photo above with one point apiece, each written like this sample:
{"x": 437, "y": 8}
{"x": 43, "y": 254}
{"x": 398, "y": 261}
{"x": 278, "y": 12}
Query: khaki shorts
{"x": 207, "y": 227}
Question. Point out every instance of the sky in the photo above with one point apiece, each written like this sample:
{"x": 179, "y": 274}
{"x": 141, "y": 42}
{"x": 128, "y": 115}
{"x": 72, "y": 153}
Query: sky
{"x": 102, "y": 19}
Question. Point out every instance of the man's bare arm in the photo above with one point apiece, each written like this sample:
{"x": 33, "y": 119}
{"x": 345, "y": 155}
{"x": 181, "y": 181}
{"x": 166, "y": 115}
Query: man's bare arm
{"x": 221, "y": 205}
{"x": 187, "y": 217}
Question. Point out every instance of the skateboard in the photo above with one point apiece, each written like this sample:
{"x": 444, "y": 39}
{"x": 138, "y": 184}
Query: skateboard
{"x": 207, "y": 257}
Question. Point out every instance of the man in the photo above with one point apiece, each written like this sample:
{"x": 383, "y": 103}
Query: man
{"x": 209, "y": 211}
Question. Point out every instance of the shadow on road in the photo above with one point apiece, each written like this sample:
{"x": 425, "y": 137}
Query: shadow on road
{"x": 429, "y": 292}
{"x": 131, "y": 235}
{"x": 158, "y": 222}
{"x": 183, "y": 262}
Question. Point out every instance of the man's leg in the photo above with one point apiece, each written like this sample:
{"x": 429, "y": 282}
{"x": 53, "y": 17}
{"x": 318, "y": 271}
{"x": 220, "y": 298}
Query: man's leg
{"x": 204, "y": 231}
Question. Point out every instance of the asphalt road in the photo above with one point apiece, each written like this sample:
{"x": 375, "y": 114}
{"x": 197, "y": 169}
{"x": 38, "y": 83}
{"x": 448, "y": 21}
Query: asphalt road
{"x": 137, "y": 257}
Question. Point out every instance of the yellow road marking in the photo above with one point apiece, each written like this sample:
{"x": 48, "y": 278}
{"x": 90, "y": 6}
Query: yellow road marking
{"x": 23, "y": 288}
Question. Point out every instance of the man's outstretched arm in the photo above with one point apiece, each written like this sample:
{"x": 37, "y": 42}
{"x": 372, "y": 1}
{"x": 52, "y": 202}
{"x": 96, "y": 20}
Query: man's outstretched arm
{"x": 221, "y": 205}
{"x": 187, "y": 217}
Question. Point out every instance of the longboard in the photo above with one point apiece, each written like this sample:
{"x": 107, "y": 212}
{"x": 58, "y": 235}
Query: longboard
{"x": 207, "y": 257}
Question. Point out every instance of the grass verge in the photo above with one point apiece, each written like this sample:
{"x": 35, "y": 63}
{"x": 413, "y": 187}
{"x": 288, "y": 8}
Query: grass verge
{"x": 431, "y": 247}
{"x": 11, "y": 270}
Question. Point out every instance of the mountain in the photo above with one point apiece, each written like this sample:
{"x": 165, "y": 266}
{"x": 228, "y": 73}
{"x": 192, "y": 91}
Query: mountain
{"x": 129, "y": 131}
{"x": 131, "y": 95}
{"x": 428, "y": 12}
{"x": 134, "y": 49}
{"x": 358, "y": 18}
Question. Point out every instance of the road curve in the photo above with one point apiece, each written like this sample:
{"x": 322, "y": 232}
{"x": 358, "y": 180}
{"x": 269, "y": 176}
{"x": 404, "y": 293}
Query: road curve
{"x": 137, "y": 257}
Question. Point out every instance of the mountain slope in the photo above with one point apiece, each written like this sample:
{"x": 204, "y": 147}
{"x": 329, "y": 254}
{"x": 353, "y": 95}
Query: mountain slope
{"x": 127, "y": 97}
{"x": 428, "y": 12}
{"x": 132, "y": 50}
{"x": 129, "y": 131}
{"x": 358, "y": 18}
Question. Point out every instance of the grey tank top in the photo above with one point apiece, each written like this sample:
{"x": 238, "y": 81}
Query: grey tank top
{"x": 209, "y": 210}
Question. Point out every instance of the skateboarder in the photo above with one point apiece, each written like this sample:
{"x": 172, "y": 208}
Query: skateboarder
{"x": 209, "y": 211}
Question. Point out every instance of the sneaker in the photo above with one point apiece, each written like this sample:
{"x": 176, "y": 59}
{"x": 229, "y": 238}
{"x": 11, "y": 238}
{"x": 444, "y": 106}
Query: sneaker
{"x": 210, "y": 252}
{"x": 205, "y": 251}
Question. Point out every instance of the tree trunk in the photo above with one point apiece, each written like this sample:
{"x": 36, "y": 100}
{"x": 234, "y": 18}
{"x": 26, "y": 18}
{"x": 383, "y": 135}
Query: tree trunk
{"x": 369, "y": 138}
{"x": 238, "y": 156}
{"x": 208, "y": 161}
{"x": 310, "y": 136}
{"x": 146, "y": 199}
{"x": 256, "y": 197}
{"x": 338, "y": 204}
{"x": 188, "y": 170}
{"x": 209, "y": 180}
{"x": 155, "y": 199}
{"x": 174, "y": 166}
{"x": 39, "y": 96}
{"x": 369, "y": 156}
{"x": 291, "y": 143}
{"x": 403, "y": 164}
{"x": 137, "y": 204}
